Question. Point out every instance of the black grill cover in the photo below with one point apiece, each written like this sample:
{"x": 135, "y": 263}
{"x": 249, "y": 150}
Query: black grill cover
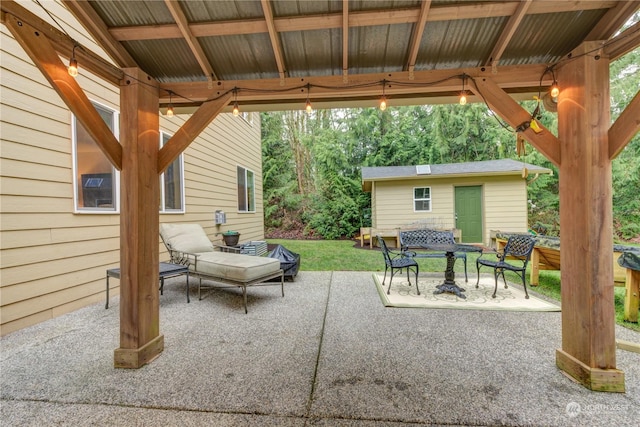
{"x": 289, "y": 261}
{"x": 630, "y": 260}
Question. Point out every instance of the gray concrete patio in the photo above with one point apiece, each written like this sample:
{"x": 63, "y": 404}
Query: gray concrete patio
{"x": 327, "y": 354}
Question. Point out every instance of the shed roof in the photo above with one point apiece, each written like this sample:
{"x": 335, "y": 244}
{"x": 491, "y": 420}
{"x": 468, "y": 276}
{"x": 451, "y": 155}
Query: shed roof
{"x": 449, "y": 170}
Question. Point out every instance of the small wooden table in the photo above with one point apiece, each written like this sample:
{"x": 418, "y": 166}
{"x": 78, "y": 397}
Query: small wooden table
{"x": 166, "y": 269}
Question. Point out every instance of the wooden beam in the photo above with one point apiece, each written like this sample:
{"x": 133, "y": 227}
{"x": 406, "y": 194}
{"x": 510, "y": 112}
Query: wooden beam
{"x": 61, "y": 42}
{"x": 588, "y": 350}
{"x": 502, "y": 104}
{"x": 623, "y": 43}
{"x": 356, "y": 19}
{"x": 190, "y": 130}
{"x": 507, "y": 33}
{"x": 44, "y": 56}
{"x": 416, "y": 36}
{"x": 613, "y": 20}
{"x": 192, "y": 41}
{"x": 95, "y": 26}
{"x": 345, "y": 40}
{"x": 360, "y": 86}
{"x": 140, "y": 339}
{"x": 625, "y": 127}
{"x": 273, "y": 36}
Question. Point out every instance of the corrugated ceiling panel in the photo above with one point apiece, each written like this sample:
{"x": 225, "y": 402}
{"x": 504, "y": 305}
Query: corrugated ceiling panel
{"x": 248, "y": 56}
{"x": 537, "y": 39}
{"x": 166, "y": 60}
{"x": 361, "y": 5}
{"x": 457, "y": 44}
{"x": 126, "y": 13}
{"x": 319, "y": 51}
{"x": 378, "y": 49}
{"x": 207, "y": 10}
{"x": 305, "y": 7}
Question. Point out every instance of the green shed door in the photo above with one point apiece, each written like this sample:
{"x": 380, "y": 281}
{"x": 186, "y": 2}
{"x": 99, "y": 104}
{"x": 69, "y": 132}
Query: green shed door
{"x": 469, "y": 213}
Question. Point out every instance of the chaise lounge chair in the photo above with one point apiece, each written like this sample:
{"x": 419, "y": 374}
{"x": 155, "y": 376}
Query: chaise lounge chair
{"x": 188, "y": 244}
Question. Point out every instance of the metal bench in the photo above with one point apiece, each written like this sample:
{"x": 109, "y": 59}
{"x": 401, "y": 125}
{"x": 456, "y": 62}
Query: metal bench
{"x": 418, "y": 239}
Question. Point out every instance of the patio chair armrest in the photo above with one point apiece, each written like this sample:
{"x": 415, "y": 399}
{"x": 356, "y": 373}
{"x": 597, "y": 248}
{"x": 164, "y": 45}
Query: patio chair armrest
{"x": 490, "y": 252}
{"x": 183, "y": 258}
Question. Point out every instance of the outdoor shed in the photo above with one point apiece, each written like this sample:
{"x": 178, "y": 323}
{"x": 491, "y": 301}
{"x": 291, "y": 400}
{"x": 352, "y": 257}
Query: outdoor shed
{"x": 473, "y": 197}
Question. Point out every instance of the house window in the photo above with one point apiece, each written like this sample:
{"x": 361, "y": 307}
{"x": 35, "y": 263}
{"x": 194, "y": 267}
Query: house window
{"x": 422, "y": 199}
{"x": 95, "y": 179}
{"x": 246, "y": 190}
{"x": 172, "y": 183}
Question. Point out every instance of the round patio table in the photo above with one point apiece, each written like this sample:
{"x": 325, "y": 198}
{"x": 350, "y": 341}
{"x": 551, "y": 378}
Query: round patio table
{"x": 449, "y": 284}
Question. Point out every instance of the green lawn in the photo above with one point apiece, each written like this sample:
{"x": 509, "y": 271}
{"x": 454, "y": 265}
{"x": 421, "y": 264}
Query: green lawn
{"x": 342, "y": 255}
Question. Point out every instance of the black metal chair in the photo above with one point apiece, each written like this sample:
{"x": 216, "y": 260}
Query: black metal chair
{"x": 394, "y": 260}
{"x": 518, "y": 250}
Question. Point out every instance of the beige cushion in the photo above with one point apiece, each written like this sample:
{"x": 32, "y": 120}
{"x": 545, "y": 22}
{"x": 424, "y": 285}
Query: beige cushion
{"x": 185, "y": 238}
{"x": 238, "y": 267}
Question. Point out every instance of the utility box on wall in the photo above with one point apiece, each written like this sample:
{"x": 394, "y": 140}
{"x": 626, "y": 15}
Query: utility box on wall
{"x": 220, "y": 217}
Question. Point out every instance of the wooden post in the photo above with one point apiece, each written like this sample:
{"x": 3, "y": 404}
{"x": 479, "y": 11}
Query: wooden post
{"x": 631, "y": 297}
{"x": 140, "y": 339}
{"x": 588, "y": 317}
{"x": 535, "y": 267}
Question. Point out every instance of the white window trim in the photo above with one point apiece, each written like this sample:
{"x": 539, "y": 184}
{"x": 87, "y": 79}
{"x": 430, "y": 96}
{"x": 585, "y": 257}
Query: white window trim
{"x": 246, "y": 169}
{"x": 182, "y": 184}
{"x": 430, "y": 199}
{"x": 74, "y": 168}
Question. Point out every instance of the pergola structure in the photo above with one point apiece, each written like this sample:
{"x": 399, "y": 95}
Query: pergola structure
{"x": 200, "y": 57}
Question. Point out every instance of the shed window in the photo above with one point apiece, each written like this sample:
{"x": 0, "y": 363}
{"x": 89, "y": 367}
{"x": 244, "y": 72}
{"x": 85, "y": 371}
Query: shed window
{"x": 95, "y": 178}
{"x": 246, "y": 190}
{"x": 422, "y": 199}
{"x": 172, "y": 183}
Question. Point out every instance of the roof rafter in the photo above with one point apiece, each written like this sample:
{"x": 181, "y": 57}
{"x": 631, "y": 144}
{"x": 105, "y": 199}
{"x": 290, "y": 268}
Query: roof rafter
{"x": 192, "y": 41}
{"x": 273, "y": 35}
{"x": 416, "y": 35}
{"x": 345, "y": 40}
{"x": 623, "y": 43}
{"x": 613, "y": 20}
{"x": 507, "y": 33}
{"x": 356, "y": 19}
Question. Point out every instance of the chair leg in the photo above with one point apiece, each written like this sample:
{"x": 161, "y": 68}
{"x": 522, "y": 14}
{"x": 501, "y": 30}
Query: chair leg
{"x": 466, "y": 278}
{"x": 478, "y": 275}
{"x": 244, "y": 296}
{"x": 385, "y": 275}
{"x": 524, "y": 283}
{"x": 409, "y": 280}
{"x": 495, "y": 277}
{"x": 417, "y": 288}
{"x": 390, "y": 282}
{"x": 504, "y": 280}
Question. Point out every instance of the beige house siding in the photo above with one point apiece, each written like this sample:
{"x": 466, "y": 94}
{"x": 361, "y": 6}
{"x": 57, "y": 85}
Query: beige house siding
{"x": 504, "y": 203}
{"x": 53, "y": 261}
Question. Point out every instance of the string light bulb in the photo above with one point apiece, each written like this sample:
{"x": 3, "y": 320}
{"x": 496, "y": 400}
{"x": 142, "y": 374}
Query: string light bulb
{"x": 73, "y": 63}
{"x": 555, "y": 90}
{"x": 308, "y": 104}
{"x": 236, "y": 108}
{"x": 463, "y": 94}
{"x": 170, "y": 107}
{"x": 383, "y": 99}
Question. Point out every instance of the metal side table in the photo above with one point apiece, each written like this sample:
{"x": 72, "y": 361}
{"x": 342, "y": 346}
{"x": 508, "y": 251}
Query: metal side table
{"x": 166, "y": 269}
